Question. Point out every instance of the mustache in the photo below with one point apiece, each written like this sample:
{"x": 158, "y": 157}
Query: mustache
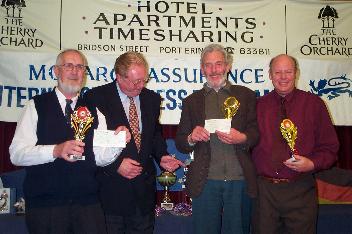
{"x": 216, "y": 74}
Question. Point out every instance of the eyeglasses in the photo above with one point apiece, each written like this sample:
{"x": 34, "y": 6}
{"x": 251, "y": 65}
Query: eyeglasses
{"x": 70, "y": 67}
{"x": 136, "y": 82}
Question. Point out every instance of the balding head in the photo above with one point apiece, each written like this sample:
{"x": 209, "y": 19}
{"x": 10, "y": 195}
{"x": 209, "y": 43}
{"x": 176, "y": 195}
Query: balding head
{"x": 282, "y": 72}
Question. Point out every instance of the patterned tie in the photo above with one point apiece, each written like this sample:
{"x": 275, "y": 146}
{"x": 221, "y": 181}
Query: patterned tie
{"x": 68, "y": 110}
{"x": 280, "y": 148}
{"x": 134, "y": 123}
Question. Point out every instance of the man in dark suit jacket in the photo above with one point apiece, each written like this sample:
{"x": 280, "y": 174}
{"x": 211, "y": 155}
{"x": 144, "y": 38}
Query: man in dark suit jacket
{"x": 127, "y": 186}
{"x": 221, "y": 164}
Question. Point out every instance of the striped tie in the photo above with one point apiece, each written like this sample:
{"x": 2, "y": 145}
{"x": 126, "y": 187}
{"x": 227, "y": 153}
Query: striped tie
{"x": 134, "y": 123}
{"x": 68, "y": 111}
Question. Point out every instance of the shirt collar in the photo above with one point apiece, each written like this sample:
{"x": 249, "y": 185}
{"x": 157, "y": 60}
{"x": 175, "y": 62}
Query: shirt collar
{"x": 62, "y": 98}
{"x": 289, "y": 97}
{"x": 226, "y": 87}
{"x": 123, "y": 96}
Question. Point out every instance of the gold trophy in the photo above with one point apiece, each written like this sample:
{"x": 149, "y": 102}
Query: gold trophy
{"x": 4, "y": 202}
{"x": 167, "y": 179}
{"x": 81, "y": 121}
{"x": 230, "y": 107}
{"x": 289, "y": 132}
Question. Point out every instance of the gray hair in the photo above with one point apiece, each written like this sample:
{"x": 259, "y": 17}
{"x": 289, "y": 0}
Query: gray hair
{"x": 59, "y": 56}
{"x": 216, "y": 47}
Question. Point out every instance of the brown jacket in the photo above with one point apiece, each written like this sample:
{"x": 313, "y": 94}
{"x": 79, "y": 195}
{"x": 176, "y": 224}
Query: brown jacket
{"x": 245, "y": 121}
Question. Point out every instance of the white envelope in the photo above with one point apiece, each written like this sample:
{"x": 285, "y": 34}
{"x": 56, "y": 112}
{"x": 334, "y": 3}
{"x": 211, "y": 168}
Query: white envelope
{"x": 222, "y": 125}
{"x": 107, "y": 138}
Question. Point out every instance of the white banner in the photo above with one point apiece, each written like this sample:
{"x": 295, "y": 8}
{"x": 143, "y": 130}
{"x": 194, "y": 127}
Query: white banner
{"x": 172, "y": 35}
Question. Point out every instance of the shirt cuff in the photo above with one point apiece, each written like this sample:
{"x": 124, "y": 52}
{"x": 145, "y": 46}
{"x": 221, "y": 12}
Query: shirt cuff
{"x": 106, "y": 155}
{"x": 189, "y": 140}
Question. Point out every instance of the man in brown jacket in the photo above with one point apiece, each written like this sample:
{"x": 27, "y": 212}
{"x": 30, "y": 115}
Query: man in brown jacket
{"x": 222, "y": 167}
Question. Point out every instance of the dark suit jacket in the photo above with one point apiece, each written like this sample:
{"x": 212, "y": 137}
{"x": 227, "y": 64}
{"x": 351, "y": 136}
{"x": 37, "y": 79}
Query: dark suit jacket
{"x": 119, "y": 195}
{"x": 245, "y": 121}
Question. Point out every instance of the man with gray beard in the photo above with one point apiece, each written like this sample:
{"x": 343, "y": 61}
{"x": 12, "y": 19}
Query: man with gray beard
{"x": 222, "y": 168}
{"x": 60, "y": 192}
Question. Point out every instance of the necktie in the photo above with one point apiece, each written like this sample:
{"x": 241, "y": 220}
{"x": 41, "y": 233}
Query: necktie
{"x": 279, "y": 151}
{"x": 283, "y": 114}
{"x": 68, "y": 110}
{"x": 134, "y": 123}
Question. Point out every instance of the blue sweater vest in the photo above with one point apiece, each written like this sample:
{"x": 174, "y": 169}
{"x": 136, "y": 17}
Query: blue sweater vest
{"x": 60, "y": 182}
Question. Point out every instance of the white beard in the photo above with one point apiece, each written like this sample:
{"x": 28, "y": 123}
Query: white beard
{"x": 212, "y": 85}
{"x": 69, "y": 89}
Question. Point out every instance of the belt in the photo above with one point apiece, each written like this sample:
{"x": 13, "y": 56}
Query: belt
{"x": 276, "y": 180}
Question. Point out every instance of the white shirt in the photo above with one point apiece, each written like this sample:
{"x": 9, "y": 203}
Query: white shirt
{"x": 25, "y": 152}
{"x": 126, "y": 106}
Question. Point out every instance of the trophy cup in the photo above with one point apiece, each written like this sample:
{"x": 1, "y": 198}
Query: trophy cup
{"x": 289, "y": 132}
{"x": 230, "y": 107}
{"x": 7, "y": 199}
{"x": 20, "y": 206}
{"x": 4, "y": 202}
{"x": 167, "y": 179}
{"x": 81, "y": 121}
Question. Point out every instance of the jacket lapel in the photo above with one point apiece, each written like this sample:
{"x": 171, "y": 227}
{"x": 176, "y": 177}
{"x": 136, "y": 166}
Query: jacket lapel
{"x": 145, "y": 116}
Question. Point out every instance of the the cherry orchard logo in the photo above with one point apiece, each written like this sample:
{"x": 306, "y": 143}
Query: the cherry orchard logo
{"x": 328, "y": 15}
{"x": 83, "y": 113}
{"x": 330, "y": 41}
{"x": 13, "y": 7}
{"x": 15, "y": 32}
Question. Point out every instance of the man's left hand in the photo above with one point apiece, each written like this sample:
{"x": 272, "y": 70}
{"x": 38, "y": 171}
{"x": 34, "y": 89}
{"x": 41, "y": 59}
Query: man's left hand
{"x": 124, "y": 128}
{"x": 301, "y": 164}
{"x": 234, "y": 137}
{"x": 170, "y": 163}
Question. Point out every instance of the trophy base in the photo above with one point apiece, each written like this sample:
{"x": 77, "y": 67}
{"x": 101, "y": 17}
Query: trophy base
{"x": 76, "y": 157}
{"x": 167, "y": 205}
{"x": 293, "y": 159}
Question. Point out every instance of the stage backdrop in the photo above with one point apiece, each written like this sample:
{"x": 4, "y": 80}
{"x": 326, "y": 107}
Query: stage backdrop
{"x": 172, "y": 34}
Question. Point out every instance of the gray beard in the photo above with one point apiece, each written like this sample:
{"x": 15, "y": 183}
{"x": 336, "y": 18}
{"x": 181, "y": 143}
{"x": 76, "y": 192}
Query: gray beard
{"x": 211, "y": 84}
{"x": 69, "y": 89}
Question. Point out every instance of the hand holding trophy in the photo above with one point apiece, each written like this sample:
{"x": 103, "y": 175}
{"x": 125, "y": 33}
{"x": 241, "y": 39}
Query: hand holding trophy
{"x": 289, "y": 133}
{"x": 230, "y": 107}
{"x": 81, "y": 121}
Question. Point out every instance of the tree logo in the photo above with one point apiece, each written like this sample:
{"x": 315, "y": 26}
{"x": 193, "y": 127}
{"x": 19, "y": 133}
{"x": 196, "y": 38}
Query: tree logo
{"x": 328, "y": 15}
{"x": 13, "y": 7}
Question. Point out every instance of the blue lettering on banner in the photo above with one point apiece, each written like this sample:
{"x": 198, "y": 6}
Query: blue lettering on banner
{"x": 17, "y": 96}
{"x": 21, "y": 94}
{"x": 34, "y": 74}
{"x": 246, "y": 76}
{"x": 13, "y": 96}
{"x": 40, "y": 73}
{"x": 164, "y": 75}
{"x": 101, "y": 73}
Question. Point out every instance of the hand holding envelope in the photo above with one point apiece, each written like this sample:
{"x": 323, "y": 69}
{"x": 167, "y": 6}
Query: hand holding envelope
{"x": 233, "y": 137}
{"x": 108, "y": 138}
{"x": 222, "y": 127}
{"x": 198, "y": 134}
